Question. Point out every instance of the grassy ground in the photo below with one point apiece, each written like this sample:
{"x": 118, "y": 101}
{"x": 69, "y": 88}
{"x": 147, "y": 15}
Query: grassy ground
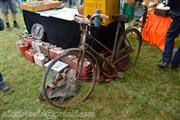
{"x": 146, "y": 92}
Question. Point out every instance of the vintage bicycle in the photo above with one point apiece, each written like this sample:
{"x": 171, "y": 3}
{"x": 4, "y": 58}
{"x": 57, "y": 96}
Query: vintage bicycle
{"x": 82, "y": 67}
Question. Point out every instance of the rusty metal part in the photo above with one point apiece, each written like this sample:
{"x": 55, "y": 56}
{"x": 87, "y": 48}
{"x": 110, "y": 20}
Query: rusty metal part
{"x": 72, "y": 78}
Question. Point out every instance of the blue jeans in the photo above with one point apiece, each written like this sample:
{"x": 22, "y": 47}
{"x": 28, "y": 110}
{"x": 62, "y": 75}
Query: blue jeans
{"x": 172, "y": 33}
{"x": 81, "y": 2}
{"x": 1, "y": 79}
{"x": 72, "y": 3}
{"x": 9, "y": 4}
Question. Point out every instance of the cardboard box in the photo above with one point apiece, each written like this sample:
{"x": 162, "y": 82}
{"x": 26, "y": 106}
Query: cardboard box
{"x": 40, "y": 59}
{"x": 36, "y": 44}
{"x": 57, "y": 67}
{"x": 44, "y": 48}
{"x": 54, "y": 52}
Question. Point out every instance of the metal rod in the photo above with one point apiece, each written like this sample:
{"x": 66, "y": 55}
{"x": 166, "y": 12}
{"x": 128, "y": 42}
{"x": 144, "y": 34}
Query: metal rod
{"x": 109, "y": 63}
{"x": 100, "y": 43}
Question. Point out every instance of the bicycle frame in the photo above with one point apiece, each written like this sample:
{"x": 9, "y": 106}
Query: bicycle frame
{"x": 85, "y": 46}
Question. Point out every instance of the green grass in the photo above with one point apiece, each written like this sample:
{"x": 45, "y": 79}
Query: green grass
{"x": 145, "y": 93}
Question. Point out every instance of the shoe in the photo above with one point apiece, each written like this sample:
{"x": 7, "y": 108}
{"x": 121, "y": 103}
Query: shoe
{"x": 163, "y": 64}
{"x": 8, "y": 28}
{"x": 4, "y": 87}
{"x": 174, "y": 65}
{"x": 16, "y": 25}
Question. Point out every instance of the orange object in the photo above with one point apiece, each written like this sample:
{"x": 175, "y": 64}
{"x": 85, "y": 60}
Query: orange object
{"x": 22, "y": 48}
{"x": 86, "y": 68}
{"x": 107, "y": 7}
{"x": 155, "y": 29}
{"x": 28, "y": 40}
{"x": 54, "y": 52}
{"x": 29, "y": 55}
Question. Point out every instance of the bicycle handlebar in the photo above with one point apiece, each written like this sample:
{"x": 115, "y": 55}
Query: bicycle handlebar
{"x": 81, "y": 19}
{"x": 99, "y": 15}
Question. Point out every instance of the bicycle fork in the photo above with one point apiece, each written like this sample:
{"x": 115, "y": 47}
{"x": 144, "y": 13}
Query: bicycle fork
{"x": 81, "y": 55}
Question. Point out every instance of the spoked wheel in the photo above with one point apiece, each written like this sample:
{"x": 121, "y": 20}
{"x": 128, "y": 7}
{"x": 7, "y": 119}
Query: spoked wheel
{"x": 128, "y": 48}
{"x": 74, "y": 81}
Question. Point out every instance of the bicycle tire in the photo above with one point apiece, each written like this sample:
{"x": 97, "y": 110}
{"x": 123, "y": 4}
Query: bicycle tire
{"x": 127, "y": 44}
{"x": 76, "y": 99}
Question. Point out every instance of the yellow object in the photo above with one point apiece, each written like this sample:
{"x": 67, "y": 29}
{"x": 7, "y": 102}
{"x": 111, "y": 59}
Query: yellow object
{"x": 39, "y": 5}
{"x": 107, "y": 7}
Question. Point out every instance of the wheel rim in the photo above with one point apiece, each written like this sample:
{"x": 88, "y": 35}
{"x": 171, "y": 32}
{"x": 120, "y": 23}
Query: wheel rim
{"x": 132, "y": 45}
{"x": 69, "y": 76}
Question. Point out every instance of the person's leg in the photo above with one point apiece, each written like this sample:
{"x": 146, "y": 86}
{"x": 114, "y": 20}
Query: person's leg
{"x": 169, "y": 43}
{"x": 1, "y": 79}
{"x": 81, "y": 2}
{"x": 176, "y": 60}
{"x": 6, "y": 19}
{"x": 3, "y": 86}
{"x": 14, "y": 16}
{"x": 4, "y": 9}
{"x": 14, "y": 21}
{"x": 14, "y": 12}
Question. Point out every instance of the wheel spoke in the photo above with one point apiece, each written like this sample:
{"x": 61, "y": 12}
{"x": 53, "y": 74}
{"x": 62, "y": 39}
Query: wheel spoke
{"x": 132, "y": 40}
{"x": 73, "y": 84}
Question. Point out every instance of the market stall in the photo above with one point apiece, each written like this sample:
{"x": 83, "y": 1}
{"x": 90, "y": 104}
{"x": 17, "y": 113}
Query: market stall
{"x": 53, "y": 30}
{"x": 58, "y": 31}
{"x": 63, "y": 31}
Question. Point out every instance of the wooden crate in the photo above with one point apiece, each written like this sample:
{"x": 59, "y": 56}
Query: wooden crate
{"x": 107, "y": 7}
{"x": 39, "y": 5}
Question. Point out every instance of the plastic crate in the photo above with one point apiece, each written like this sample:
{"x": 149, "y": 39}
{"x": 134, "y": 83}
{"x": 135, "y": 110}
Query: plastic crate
{"x": 107, "y": 7}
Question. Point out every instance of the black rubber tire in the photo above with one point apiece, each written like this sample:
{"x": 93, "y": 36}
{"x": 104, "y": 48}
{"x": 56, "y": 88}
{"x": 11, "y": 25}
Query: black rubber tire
{"x": 125, "y": 42}
{"x": 120, "y": 53}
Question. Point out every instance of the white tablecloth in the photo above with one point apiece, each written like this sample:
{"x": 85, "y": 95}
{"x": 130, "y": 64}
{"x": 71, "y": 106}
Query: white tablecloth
{"x": 65, "y": 13}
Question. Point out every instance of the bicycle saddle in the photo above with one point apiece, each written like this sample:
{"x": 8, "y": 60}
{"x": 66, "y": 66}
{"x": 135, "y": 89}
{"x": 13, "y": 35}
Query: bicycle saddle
{"x": 120, "y": 18}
